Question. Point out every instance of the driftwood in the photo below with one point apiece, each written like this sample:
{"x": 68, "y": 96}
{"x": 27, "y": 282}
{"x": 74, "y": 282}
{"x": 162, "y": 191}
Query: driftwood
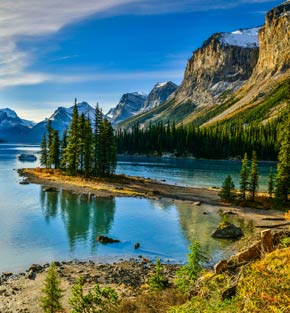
{"x": 272, "y": 226}
{"x": 274, "y": 219}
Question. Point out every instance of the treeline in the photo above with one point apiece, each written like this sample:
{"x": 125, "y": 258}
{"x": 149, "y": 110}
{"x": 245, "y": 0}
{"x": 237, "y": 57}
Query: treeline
{"x": 208, "y": 142}
{"x": 84, "y": 149}
{"x": 249, "y": 178}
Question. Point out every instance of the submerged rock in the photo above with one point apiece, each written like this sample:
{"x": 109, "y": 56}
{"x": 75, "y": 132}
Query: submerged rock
{"x": 104, "y": 239}
{"x": 227, "y": 231}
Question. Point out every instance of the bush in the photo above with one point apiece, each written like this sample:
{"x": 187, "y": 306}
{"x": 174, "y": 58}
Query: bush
{"x": 96, "y": 301}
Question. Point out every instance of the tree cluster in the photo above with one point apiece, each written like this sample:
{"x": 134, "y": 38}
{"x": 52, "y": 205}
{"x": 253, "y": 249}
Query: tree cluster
{"x": 207, "y": 142}
{"x": 84, "y": 149}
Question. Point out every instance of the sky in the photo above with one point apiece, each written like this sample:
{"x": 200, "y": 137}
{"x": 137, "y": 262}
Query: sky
{"x": 52, "y": 51}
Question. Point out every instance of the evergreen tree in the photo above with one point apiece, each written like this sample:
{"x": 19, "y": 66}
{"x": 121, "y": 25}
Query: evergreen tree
{"x": 188, "y": 273}
{"x": 88, "y": 148}
{"x": 227, "y": 193}
{"x": 54, "y": 151}
{"x": 50, "y": 302}
{"x": 63, "y": 148}
{"x": 49, "y": 142}
{"x": 244, "y": 176}
{"x": 283, "y": 168}
{"x": 82, "y": 137}
{"x": 72, "y": 149}
{"x": 107, "y": 158}
{"x": 271, "y": 182}
{"x": 254, "y": 176}
{"x": 157, "y": 281}
{"x": 44, "y": 152}
{"x": 97, "y": 127}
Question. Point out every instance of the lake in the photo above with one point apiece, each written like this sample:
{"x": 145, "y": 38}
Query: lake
{"x": 39, "y": 227}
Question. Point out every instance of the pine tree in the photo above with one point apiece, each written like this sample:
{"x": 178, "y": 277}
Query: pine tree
{"x": 88, "y": 148}
{"x": 50, "y": 302}
{"x": 44, "y": 152}
{"x": 254, "y": 176}
{"x": 82, "y": 138}
{"x": 72, "y": 149}
{"x": 271, "y": 182}
{"x": 244, "y": 176}
{"x": 227, "y": 192}
{"x": 54, "y": 152}
{"x": 157, "y": 281}
{"x": 63, "y": 148}
{"x": 97, "y": 127}
{"x": 282, "y": 191}
{"x": 107, "y": 155}
{"x": 49, "y": 142}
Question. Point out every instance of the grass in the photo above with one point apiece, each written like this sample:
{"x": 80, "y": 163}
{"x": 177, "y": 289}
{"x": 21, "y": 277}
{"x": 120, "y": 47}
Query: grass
{"x": 109, "y": 185}
{"x": 263, "y": 286}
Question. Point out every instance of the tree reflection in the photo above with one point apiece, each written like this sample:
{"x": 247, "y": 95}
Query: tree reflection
{"x": 83, "y": 218}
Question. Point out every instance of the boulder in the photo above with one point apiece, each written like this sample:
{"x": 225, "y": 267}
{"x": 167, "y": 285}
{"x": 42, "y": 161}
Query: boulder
{"x": 105, "y": 240}
{"x": 227, "y": 231}
{"x": 136, "y": 245}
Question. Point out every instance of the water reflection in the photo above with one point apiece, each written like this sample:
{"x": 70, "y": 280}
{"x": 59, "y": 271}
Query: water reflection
{"x": 197, "y": 223}
{"x": 84, "y": 219}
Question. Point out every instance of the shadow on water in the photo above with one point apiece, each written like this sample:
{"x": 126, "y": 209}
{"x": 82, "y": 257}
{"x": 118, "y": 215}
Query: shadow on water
{"x": 84, "y": 219}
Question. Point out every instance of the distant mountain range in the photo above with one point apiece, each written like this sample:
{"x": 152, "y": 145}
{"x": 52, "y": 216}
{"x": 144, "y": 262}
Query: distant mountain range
{"x": 15, "y": 129}
{"x": 134, "y": 103}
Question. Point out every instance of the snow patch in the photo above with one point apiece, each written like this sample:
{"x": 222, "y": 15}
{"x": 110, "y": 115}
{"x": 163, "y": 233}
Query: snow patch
{"x": 247, "y": 38}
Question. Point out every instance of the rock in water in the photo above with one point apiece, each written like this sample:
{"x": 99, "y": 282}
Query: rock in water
{"x": 227, "y": 231}
{"x": 104, "y": 239}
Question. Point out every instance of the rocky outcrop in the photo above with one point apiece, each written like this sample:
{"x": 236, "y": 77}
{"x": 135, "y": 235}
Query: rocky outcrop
{"x": 129, "y": 105}
{"x": 219, "y": 65}
{"x": 274, "y": 41}
{"x": 158, "y": 95}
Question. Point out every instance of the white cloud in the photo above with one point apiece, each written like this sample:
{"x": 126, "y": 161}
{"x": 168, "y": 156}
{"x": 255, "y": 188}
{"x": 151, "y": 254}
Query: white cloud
{"x": 21, "y": 18}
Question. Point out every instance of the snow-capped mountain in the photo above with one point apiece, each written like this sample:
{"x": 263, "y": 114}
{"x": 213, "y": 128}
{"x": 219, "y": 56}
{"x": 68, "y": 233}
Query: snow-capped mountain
{"x": 158, "y": 95}
{"x": 61, "y": 119}
{"x": 9, "y": 118}
{"x": 129, "y": 105}
{"x": 12, "y": 127}
{"x": 247, "y": 38}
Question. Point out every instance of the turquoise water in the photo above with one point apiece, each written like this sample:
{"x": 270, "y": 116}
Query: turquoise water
{"x": 38, "y": 227}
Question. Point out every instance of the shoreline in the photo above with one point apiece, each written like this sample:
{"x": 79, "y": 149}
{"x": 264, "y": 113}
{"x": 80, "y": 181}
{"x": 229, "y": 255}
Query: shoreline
{"x": 18, "y": 293}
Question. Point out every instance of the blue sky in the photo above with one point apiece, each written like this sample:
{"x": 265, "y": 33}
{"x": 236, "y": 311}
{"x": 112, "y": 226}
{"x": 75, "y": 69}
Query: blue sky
{"x": 52, "y": 51}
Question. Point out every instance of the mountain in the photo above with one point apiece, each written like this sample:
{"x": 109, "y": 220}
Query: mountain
{"x": 158, "y": 95}
{"x": 223, "y": 63}
{"x": 129, "y": 105}
{"x": 60, "y": 120}
{"x": 237, "y": 77}
{"x": 12, "y": 127}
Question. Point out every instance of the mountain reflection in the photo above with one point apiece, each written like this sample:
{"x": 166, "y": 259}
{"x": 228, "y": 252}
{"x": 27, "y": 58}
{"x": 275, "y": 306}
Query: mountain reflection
{"x": 84, "y": 219}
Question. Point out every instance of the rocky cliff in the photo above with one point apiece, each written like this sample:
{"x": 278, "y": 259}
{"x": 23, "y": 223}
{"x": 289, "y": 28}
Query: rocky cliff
{"x": 129, "y": 105}
{"x": 223, "y": 63}
{"x": 158, "y": 95}
{"x": 267, "y": 89}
